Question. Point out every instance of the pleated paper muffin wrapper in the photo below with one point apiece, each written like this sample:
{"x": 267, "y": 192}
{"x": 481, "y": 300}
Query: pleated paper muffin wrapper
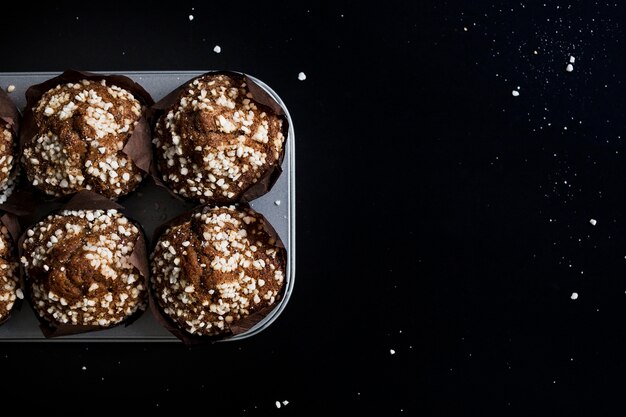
{"x": 9, "y": 219}
{"x": 138, "y": 148}
{"x": 238, "y": 327}
{"x": 260, "y": 97}
{"x": 88, "y": 200}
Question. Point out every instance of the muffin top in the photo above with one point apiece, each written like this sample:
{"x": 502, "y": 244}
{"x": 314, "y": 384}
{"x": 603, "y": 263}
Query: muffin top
{"x": 216, "y": 268}
{"x": 215, "y": 141}
{"x": 9, "y": 281}
{"x": 78, "y": 269}
{"x": 82, "y": 128}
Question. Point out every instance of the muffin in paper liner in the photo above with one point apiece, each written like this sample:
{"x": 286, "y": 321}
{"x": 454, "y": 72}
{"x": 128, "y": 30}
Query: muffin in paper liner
{"x": 88, "y": 131}
{"x": 11, "y": 285}
{"x": 9, "y": 134}
{"x": 90, "y": 272}
{"x": 216, "y": 272}
{"x": 220, "y": 138}
{"x": 11, "y": 288}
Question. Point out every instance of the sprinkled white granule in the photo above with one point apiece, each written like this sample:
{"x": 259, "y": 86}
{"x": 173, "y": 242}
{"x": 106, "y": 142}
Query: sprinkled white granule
{"x": 302, "y": 76}
{"x": 19, "y": 294}
{"x": 285, "y": 402}
{"x": 217, "y": 49}
{"x": 393, "y": 352}
{"x": 572, "y": 59}
{"x": 574, "y": 296}
{"x": 515, "y": 93}
{"x": 593, "y": 222}
{"x": 84, "y": 368}
{"x": 277, "y": 202}
{"x": 190, "y": 17}
{"x": 569, "y": 68}
{"x": 11, "y": 88}
{"x": 277, "y": 404}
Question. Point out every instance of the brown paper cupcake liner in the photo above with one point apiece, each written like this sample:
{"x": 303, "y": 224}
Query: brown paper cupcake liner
{"x": 242, "y": 325}
{"x": 88, "y": 200}
{"x": 262, "y": 98}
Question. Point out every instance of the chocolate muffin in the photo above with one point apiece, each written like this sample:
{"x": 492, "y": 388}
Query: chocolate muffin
{"x": 216, "y": 268}
{"x": 78, "y": 269}
{"x": 8, "y": 170}
{"x": 10, "y": 289}
{"x": 82, "y": 128}
{"x": 215, "y": 141}
{"x": 9, "y": 127}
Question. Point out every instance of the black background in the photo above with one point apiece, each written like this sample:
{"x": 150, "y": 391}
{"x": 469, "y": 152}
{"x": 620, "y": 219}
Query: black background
{"x": 438, "y": 214}
{"x": 360, "y": 133}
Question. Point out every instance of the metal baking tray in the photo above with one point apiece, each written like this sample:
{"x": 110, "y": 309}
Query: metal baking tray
{"x": 152, "y": 206}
